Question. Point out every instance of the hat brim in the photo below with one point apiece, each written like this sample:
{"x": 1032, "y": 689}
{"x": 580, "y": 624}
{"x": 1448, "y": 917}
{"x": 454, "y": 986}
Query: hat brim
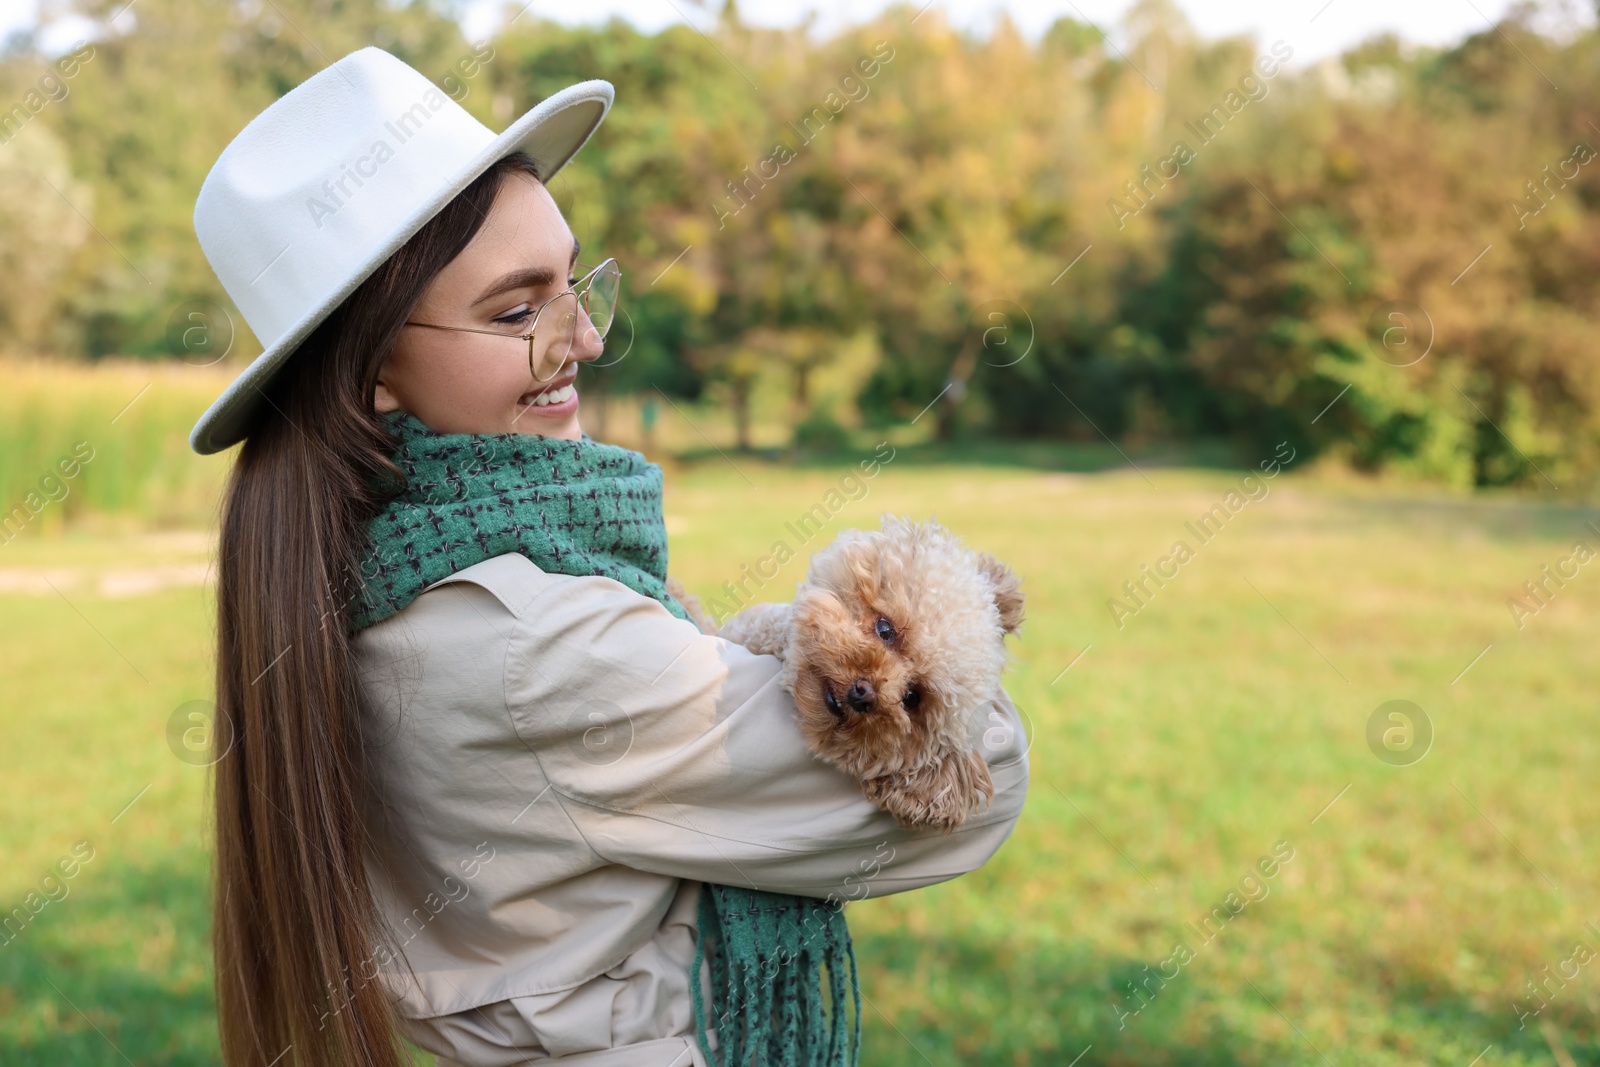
{"x": 551, "y": 132}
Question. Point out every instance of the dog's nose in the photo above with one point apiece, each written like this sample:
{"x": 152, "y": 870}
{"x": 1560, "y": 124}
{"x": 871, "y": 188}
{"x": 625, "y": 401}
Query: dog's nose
{"x": 861, "y": 695}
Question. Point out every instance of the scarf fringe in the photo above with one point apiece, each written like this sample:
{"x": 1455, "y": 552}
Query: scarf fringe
{"x": 767, "y": 952}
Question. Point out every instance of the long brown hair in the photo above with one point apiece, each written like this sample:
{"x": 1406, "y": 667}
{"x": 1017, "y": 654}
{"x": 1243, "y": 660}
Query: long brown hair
{"x": 295, "y": 918}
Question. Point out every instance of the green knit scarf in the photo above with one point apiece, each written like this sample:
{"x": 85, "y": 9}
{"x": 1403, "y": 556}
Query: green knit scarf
{"x": 583, "y": 508}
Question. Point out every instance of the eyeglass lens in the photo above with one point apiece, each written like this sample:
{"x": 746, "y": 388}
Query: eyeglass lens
{"x": 597, "y": 298}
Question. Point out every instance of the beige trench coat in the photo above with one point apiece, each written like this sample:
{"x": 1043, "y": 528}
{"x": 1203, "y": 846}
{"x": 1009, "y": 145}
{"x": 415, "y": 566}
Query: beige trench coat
{"x": 558, "y": 763}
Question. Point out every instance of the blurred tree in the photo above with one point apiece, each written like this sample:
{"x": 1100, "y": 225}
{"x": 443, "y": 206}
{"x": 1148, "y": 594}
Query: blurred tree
{"x": 846, "y": 226}
{"x": 44, "y": 219}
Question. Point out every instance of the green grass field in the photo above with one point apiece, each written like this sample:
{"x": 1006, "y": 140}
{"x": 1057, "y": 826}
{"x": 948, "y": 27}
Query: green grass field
{"x": 1227, "y": 715}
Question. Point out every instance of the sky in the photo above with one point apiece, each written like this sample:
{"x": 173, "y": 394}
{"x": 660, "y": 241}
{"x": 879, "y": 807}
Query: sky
{"x": 1313, "y": 28}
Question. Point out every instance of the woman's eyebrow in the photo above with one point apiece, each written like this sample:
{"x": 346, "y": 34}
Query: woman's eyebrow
{"x": 524, "y": 278}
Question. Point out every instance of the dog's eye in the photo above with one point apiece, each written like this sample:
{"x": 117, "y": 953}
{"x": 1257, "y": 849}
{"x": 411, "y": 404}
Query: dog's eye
{"x": 885, "y": 629}
{"x": 912, "y": 699}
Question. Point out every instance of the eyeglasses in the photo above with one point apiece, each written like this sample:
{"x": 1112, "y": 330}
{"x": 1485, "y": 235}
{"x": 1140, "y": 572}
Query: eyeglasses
{"x": 595, "y": 292}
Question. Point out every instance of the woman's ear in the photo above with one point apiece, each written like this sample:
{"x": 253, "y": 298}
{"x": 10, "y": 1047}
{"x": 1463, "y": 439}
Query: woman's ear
{"x": 383, "y": 398}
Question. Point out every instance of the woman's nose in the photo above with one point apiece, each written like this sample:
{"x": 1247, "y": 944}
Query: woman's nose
{"x": 587, "y": 344}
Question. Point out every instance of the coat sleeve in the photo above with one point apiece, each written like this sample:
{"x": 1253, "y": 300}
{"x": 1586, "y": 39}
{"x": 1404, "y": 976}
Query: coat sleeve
{"x": 677, "y": 752}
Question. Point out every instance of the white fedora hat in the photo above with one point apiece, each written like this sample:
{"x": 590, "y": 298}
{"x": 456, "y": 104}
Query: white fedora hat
{"x": 330, "y": 180}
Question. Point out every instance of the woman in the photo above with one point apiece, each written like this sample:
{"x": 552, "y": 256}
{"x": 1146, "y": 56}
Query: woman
{"x": 485, "y": 780}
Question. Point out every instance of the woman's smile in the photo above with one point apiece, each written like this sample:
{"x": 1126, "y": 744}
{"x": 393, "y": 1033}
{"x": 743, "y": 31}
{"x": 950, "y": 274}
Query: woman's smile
{"x": 558, "y": 400}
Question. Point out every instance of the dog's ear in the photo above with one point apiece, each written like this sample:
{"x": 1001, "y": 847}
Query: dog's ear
{"x": 938, "y": 795}
{"x": 1007, "y": 591}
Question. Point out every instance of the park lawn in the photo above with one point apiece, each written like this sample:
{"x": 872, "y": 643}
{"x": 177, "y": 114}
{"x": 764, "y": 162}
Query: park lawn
{"x": 1225, "y": 718}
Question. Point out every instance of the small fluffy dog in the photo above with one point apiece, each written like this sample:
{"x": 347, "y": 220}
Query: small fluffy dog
{"x": 892, "y": 649}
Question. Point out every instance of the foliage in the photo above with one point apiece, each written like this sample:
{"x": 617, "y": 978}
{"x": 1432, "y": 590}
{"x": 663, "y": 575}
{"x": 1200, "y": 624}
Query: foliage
{"x": 1238, "y": 232}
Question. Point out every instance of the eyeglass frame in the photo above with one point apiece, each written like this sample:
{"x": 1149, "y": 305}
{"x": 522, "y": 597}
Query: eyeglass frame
{"x": 582, "y": 284}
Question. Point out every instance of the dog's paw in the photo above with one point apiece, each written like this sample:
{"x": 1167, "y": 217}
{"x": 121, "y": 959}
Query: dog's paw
{"x": 762, "y": 628}
{"x": 691, "y": 603}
